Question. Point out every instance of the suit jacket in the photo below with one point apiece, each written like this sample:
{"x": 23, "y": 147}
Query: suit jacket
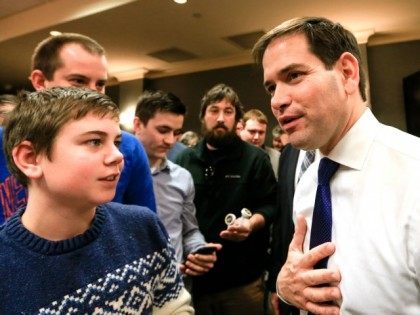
{"x": 283, "y": 226}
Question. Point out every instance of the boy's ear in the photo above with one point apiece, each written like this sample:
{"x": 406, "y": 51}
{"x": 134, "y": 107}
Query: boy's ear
{"x": 38, "y": 79}
{"x": 25, "y": 158}
{"x": 349, "y": 67}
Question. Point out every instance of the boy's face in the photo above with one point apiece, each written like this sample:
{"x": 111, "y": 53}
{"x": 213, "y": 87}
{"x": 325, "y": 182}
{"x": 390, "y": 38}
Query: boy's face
{"x": 159, "y": 134}
{"x": 85, "y": 163}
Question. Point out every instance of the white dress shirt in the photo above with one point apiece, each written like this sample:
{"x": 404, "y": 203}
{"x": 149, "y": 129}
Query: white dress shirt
{"x": 376, "y": 217}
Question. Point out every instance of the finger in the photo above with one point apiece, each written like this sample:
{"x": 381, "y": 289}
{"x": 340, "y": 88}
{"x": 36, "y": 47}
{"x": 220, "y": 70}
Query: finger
{"x": 201, "y": 258}
{"x": 217, "y": 245}
{"x": 299, "y": 235}
{"x": 234, "y": 237}
{"x": 197, "y": 264}
{"x": 316, "y": 254}
{"x": 199, "y": 269}
{"x": 316, "y": 277}
{"x": 322, "y": 309}
{"x": 322, "y": 294}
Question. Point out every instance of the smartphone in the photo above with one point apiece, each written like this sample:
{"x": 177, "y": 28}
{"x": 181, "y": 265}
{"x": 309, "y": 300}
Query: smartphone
{"x": 205, "y": 250}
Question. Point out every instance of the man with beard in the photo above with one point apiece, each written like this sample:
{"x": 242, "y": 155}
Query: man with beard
{"x": 229, "y": 175}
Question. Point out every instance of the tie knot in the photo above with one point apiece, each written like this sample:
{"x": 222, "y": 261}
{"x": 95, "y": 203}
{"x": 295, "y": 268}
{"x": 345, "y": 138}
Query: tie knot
{"x": 326, "y": 170}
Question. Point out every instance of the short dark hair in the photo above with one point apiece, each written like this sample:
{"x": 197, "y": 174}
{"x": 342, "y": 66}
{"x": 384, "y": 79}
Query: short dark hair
{"x": 327, "y": 40}
{"x": 218, "y": 93}
{"x": 39, "y": 116}
{"x": 151, "y": 102}
{"x": 46, "y": 56}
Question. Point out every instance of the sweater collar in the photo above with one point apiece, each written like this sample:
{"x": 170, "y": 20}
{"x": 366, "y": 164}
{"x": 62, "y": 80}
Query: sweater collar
{"x": 19, "y": 234}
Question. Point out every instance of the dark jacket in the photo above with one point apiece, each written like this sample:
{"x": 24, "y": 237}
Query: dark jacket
{"x": 239, "y": 177}
{"x": 283, "y": 226}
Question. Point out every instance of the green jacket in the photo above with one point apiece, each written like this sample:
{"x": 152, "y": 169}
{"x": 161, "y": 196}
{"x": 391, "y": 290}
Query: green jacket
{"x": 239, "y": 177}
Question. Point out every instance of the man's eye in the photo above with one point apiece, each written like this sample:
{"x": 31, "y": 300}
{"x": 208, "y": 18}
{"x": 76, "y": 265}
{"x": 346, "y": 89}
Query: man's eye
{"x": 78, "y": 82}
{"x": 294, "y": 75}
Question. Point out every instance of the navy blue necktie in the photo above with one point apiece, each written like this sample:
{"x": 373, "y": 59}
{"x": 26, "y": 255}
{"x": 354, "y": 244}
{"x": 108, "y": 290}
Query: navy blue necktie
{"x": 322, "y": 215}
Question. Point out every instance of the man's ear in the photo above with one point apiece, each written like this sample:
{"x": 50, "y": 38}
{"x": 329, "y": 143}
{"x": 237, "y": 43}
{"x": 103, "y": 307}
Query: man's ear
{"x": 136, "y": 124}
{"x": 349, "y": 67}
{"x": 38, "y": 79}
{"x": 25, "y": 158}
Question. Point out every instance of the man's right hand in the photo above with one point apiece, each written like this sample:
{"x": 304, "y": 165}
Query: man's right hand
{"x": 301, "y": 285}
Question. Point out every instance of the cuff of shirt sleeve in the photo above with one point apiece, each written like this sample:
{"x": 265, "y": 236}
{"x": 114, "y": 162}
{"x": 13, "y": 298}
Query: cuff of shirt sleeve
{"x": 282, "y": 298}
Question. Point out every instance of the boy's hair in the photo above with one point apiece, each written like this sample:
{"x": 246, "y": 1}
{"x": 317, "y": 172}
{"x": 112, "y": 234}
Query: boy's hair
{"x": 327, "y": 40}
{"x": 257, "y": 115}
{"x": 39, "y": 116}
{"x": 46, "y": 56}
{"x": 151, "y": 102}
{"x": 218, "y": 93}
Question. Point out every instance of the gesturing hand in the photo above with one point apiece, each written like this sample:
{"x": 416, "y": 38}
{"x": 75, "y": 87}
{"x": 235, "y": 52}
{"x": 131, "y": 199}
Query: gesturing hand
{"x": 301, "y": 285}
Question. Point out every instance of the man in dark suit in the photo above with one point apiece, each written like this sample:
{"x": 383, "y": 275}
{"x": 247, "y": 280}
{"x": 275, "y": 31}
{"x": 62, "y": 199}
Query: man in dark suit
{"x": 283, "y": 226}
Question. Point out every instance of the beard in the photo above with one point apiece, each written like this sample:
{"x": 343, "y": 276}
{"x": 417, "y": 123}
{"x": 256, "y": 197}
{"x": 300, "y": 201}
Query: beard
{"x": 217, "y": 138}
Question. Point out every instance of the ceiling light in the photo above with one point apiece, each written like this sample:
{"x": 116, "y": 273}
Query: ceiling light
{"x": 55, "y": 33}
{"x": 180, "y": 1}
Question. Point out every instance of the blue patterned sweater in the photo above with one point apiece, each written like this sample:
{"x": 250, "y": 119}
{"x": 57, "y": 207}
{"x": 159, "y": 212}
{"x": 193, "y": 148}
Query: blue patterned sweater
{"x": 122, "y": 265}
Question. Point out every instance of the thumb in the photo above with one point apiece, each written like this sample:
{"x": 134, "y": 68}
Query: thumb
{"x": 299, "y": 236}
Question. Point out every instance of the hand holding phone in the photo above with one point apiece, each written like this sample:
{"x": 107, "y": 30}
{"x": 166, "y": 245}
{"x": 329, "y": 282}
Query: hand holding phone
{"x": 205, "y": 250}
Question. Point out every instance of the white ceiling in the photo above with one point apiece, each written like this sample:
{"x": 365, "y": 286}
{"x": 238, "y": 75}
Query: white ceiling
{"x": 130, "y": 30}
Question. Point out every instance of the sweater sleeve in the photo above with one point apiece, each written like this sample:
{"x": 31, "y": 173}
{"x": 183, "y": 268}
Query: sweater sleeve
{"x": 179, "y": 306}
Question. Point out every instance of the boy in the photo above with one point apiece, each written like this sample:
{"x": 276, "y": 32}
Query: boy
{"x": 73, "y": 251}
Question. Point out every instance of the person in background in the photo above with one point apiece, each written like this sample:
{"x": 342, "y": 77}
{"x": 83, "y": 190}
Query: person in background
{"x": 230, "y": 175}
{"x": 254, "y": 131}
{"x": 7, "y": 104}
{"x": 357, "y": 249}
{"x": 239, "y": 127}
{"x": 280, "y": 138}
{"x": 158, "y": 117}
{"x": 190, "y": 138}
{"x": 70, "y": 250}
{"x": 76, "y": 60}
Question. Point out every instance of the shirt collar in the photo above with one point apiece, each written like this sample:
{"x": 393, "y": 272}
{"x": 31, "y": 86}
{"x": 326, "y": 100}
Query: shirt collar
{"x": 164, "y": 166}
{"x": 352, "y": 150}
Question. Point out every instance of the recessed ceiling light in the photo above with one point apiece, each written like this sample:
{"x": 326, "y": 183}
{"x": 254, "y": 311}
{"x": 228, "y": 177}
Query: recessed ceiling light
{"x": 180, "y": 1}
{"x": 55, "y": 33}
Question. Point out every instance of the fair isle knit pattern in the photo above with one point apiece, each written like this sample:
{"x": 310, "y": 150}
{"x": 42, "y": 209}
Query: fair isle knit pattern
{"x": 123, "y": 264}
{"x": 141, "y": 275}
